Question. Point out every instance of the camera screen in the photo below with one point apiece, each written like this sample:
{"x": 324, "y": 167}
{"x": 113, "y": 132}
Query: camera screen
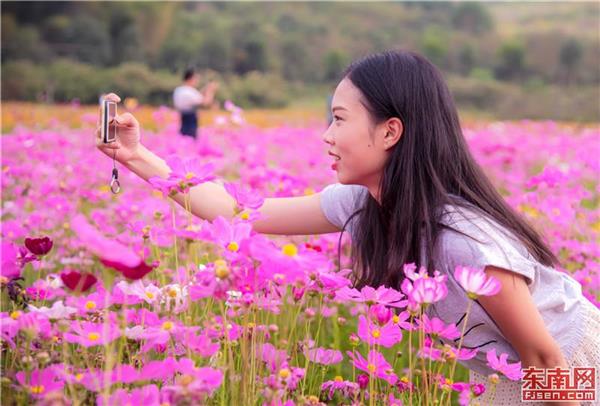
{"x": 111, "y": 112}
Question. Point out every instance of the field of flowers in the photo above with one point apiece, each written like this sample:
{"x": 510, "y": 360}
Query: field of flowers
{"x": 129, "y": 299}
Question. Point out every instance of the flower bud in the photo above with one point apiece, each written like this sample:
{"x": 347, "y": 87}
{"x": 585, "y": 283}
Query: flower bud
{"x": 362, "y": 380}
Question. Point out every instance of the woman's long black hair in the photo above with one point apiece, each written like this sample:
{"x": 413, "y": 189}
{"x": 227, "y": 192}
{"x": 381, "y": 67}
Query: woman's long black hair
{"x": 430, "y": 164}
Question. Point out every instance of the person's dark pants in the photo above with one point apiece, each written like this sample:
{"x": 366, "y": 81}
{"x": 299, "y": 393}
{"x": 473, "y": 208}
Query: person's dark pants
{"x": 189, "y": 124}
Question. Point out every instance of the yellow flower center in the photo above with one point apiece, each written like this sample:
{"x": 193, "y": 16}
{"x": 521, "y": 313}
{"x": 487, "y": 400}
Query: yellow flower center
{"x": 167, "y": 325}
{"x": 396, "y": 319}
{"x": 404, "y": 379}
{"x": 290, "y": 250}
{"x": 338, "y": 378}
{"x": 15, "y": 315}
{"x": 222, "y": 272}
{"x": 233, "y": 246}
{"x": 150, "y": 295}
{"x": 37, "y": 388}
{"x": 284, "y": 373}
{"x": 90, "y": 305}
{"x": 66, "y": 226}
{"x": 172, "y": 293}
{"x": 79, "y": 377}
{"x": 93, "y": 336}
{"x": 376, "y": 333}
{"x": 371, "y": 368}
{"x": 186, "y": 380}
{"x": 309, "y": 191}
{"x": 245, "y": 215}
{"x": 189, "y": 175}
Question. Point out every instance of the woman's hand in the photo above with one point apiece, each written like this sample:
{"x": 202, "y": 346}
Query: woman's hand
{"x": 127, "y": 144}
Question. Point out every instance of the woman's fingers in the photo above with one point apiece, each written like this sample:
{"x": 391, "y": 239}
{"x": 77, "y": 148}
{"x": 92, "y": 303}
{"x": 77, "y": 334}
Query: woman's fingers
{"x": 112, "y": 97}
{"x": 125, "y": 120}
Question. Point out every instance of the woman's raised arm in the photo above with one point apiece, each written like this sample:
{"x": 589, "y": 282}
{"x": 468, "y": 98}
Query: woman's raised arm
{"x": 289, "y": 215}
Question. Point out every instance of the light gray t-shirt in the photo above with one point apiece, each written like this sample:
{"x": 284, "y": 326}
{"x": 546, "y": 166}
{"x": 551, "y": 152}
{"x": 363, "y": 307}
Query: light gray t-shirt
{"x": 557, "y": 296}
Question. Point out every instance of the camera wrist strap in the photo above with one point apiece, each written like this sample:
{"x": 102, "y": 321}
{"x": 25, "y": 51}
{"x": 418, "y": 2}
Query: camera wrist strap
{"x": 115, "y": 185}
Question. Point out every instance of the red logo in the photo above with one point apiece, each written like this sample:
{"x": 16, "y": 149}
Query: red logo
{"x": 559, "y": 384}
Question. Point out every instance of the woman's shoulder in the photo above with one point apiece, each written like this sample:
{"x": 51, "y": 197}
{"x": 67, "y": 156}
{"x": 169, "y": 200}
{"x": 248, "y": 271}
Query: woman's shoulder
{"x": 470, "y": 237}
{"x": 339, "y": 201}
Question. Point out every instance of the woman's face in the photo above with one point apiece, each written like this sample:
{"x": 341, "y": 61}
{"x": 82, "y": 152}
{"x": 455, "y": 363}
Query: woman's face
{"x": 356, "y": 143}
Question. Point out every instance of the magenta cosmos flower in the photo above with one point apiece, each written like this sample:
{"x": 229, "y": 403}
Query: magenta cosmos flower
{"x": 371, "y": 296}
{"x": 146, "y": 395}
{"x": 185, "y": 173}
{"x": 387, "y": 335}
{"x": 90, "y": 334}
{"x": 511, "y": 371}
{"x": 229, "y": 235}
{"x": 375, "y": 365}
{"x": 346, "y": 388}
{"x": 437, "y": 328}
{"x": 244, "y": 197}
{"x": 42, "y": 381}
{"x": 476, "y": 282}
{"x": 324, "y": 356}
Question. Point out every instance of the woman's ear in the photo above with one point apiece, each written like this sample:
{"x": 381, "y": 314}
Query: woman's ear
{"x": 393, "y": 131}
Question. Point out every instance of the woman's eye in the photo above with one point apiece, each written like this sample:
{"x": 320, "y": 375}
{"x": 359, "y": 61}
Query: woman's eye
{"x": 337, "y": 118}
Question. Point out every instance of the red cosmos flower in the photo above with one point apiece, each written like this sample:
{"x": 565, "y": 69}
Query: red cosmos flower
{"x": 39, "y": 246}
{"x": 77, "y": 281}
{"x": 134, "y": 273}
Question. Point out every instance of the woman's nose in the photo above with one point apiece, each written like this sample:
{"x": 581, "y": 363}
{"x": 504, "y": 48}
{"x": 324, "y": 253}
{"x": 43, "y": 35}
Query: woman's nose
{"x": 327, "y": 138}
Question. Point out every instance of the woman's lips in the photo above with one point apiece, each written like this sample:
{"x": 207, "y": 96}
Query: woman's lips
{"x": 337, "y": 158}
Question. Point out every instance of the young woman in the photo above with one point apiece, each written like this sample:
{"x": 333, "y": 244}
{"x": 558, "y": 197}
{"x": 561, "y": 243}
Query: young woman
{"x": 409, "y": 191}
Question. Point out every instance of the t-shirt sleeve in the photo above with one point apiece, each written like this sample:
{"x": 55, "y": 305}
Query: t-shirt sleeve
{"x": 485, "y": 244}
{"x": 339, "y": 202}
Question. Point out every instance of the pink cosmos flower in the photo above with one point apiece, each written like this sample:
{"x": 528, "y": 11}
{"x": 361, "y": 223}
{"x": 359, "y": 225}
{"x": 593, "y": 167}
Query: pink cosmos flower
{"x": 375, "y": 365}
{"x": 42, "y": 381}
{"x": 409, "y": 271}
{"x": 346, "y": 388}
{"x": 90, "y": 334}
{"x": 146, "y": 395}
{"x": 387, "y": 335}
{"x": 229, "y": 235}
{"x": 244, "y": 197}
{"x": 159, "y": 369}
{"x": 424, "y": 290}
{"x": 324, "y": 356}
{"x": 371, "y": 296}
{"x": 380, "y": 313}
{"x": 105, "y": 248}
{"x": 437, "y": 328}
{"x": 511, "y": 371}
{"x": 205, "y": 379}
{"x": 476, "y": 282}
{"x": 273, "y": 357}
{"x": 185, "y": 173}
{"x": 10, "y": 266}
{"x": 90, "y": 303}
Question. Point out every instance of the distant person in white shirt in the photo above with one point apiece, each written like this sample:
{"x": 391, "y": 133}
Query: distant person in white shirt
{"x": 187, "y": 99}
